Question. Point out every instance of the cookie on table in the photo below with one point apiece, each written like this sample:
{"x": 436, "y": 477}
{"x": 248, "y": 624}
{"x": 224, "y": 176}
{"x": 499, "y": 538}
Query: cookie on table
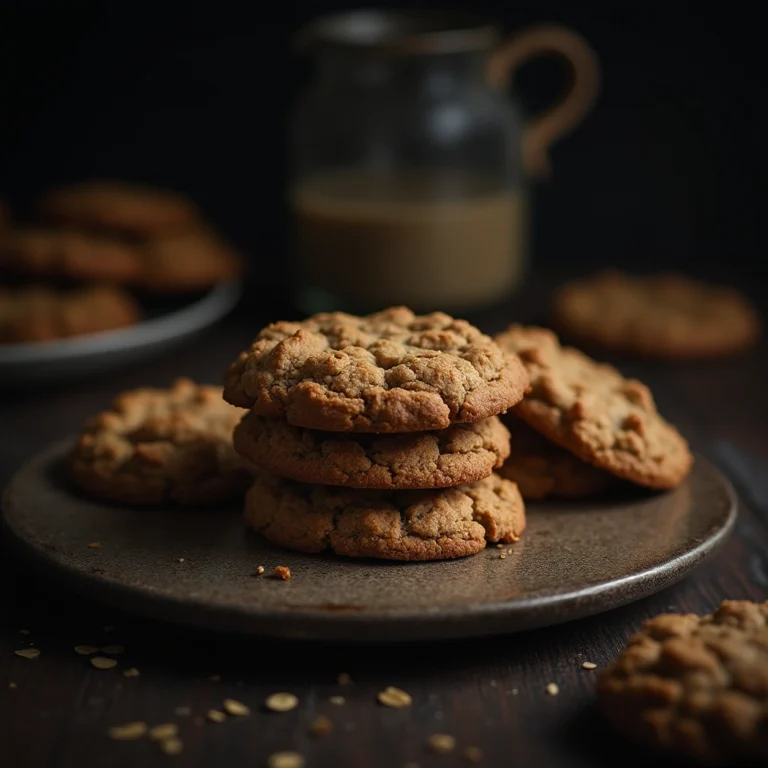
{"x": 658, "y": 316}
{"x": 40, "y": 313}
{"x": 391, "y": 371}
{"x": 390, "y": 525}
{"x": 462, "y": 453}
{"x": 69, "y": 255}
{"x": 696, "y": 686}
{"x": 594, "y": 412}
{"x": 119, "y": 207}
{"x": 543, "y": 469}
{"x": 156, "y": 446}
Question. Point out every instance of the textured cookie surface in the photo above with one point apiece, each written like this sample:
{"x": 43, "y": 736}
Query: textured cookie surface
{"x": 120, "y": 207}
{"x": 391, "y": 525}
{"x": 391, "y": 371}
{"x": 665, "y": 315}
{"x": 462, "y": 453}
{"x": 594, "y": 412}
{"x": 544, "y": 469}
{"x": 38, "y": 313}
{"x": 162, "y": 445}
{"x": 695, "y": 685}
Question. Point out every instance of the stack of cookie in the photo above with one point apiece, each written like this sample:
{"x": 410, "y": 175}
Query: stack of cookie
{"x": 89, "y": 247}
{"x": 583, "y": 427}
{"x": 377, "y": 436}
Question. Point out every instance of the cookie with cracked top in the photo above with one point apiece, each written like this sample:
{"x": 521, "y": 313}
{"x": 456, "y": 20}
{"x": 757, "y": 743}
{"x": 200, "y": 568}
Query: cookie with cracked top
{"x": 435, "y": 524}
{"x": 391, "y": 371}
{"x": 665, "y": 316}
{"x": 462, "y": 453}
{"x": 162, "y": 445}
{"x": 594, "y": 412}
{"x": 695, "y": 685}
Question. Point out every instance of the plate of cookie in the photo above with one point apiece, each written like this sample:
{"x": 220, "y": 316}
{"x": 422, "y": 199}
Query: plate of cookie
{"x": 105, "y": 273}
{"x": 392, "y": 477}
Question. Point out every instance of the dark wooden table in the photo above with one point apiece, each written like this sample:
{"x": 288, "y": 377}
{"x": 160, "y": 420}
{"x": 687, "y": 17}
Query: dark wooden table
{"x": 55, "y": 710}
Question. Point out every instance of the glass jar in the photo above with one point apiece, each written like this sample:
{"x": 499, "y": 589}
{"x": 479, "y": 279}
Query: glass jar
{"x": 410, "y": 162}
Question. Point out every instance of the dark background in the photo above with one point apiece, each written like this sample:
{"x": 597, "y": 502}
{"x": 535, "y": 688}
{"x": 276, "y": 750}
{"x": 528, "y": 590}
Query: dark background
{"x": 667, "y": 171}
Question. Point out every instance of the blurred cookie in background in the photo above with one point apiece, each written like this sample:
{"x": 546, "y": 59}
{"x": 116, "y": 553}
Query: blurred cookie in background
{"x": 43, "y": 313}
{"x": 665, "y": 316}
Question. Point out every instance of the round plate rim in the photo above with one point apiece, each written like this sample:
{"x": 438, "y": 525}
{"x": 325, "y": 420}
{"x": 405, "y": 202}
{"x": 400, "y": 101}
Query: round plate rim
{"x": 405, "y": 625}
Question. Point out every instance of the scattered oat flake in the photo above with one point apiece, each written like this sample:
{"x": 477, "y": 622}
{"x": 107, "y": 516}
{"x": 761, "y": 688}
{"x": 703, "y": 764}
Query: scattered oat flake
{"x": 588, "y": 665}
{"x": 131, "y": 672}
{"x": 281, "y": 702}
{"x": 553, "y": 689}
{"x": 260, "y": 570}
{"x": 86, "y": 650}
{"x": 128, "y": 731}
{"x": 215, "y": 716}
{"x": 394, "y": 697}
{"x": 344, "y": 679}
{"x": 285, "y": 760}
{"x": 236, "y": 708}
{"x": 179, "y": 559}
{"x": 502, "y": 556}
{"x": 102, "y": 662}
{"x": 474, "y": 754}
{"x": 337, "y": 700}
{"x": 172, "y": 746}
{"x": 163, "y": 731}
{"x": 183, "y": 711}
{"x": 215, "y": 678}
{"x": 282, "y": 572}
{"x": 321, "y": 726}
{"x": 499, "y": 546}
{"x": 441, "y": 743}
{"x": 113, "y": 650}
{"x": 28, "y": 653}
{"x": 24, "y": 631}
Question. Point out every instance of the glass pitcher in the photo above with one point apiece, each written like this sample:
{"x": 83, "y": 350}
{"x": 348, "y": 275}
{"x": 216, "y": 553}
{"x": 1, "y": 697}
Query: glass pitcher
{"x": 410, "y": 162}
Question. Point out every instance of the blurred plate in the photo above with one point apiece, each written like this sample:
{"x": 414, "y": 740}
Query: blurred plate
{"x": 168, "y": 322}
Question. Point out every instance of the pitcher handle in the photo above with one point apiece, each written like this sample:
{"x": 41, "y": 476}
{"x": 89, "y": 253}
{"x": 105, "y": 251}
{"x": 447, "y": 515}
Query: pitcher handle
{"x": 565, "y": 115}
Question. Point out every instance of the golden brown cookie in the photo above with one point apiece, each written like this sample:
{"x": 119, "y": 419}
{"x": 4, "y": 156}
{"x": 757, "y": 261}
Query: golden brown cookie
{"x": 40, "y": 313}
{"x": 594, "y": 412}
{"x": 696, "y": 686}
{"x": 660, "y": 316}
{"x": 389, "y": 525}
{"x": 462, "y": 453}
{"x": 119, "y": 207}
{"x": 162, "y": 445}
{"x": 391, "y": 371}
{"x": 543, "y": 469}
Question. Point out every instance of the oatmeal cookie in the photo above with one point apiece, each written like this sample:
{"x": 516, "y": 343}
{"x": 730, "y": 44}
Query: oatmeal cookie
{"x": 391, "y": 371}
{"x": 462, "y": 453}
{"x": 544, "y": 469}
{"x": 694, "y": 685}
{"x": 162, "y": 445}
{"x": 39, "y": 313}
{"x": 389, "y": 525}
{"x": 594, "y": 412}
{"x": 659, "y": 316}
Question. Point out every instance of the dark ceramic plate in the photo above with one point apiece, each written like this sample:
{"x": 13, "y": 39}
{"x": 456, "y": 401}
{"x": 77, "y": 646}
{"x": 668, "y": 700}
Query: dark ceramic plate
{"x": 168, "y": 322}
{"x": 574, "y": 560}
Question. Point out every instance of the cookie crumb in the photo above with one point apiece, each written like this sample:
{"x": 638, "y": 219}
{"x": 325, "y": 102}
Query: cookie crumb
{"x": 281, "y": 702}
{"x": 12, "y": 685}
{"x": 588, "y": 665}
{"x": 474, "y": 754}
{"x": 163, "y": 731}
{"x": 285, "y": 760}
{"x": 502, "y": 556}
{"x": 102, "y": 662}
{"x": 321, "y": 726}
{"x": 172, "y": 746}
{"x": 131, "y": 672}
{"x": 282, "y": 572}
{"x": 86, "y": 650}
{"x": 236, "y": 708}
{"x": 113, "y": 650}
{"x": 337, "y": 700}
{"x": 215, "y": 678}
{"x": 182, "y": 711}
{"x": 553, "y": 689}
{"x": 215, "y": 716}
{"x": 128, "y": 731}
{"x": 394, "y": 697}
{"x": 343, "y": 679}
{"x": 499, "y": 546}
{"x": 441, "y": 743}
{"x": 260, "y": 570}
{"x": 179, "y": 559}
{"x": 94, "y": 545}
{"x": 28, "y": 653}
